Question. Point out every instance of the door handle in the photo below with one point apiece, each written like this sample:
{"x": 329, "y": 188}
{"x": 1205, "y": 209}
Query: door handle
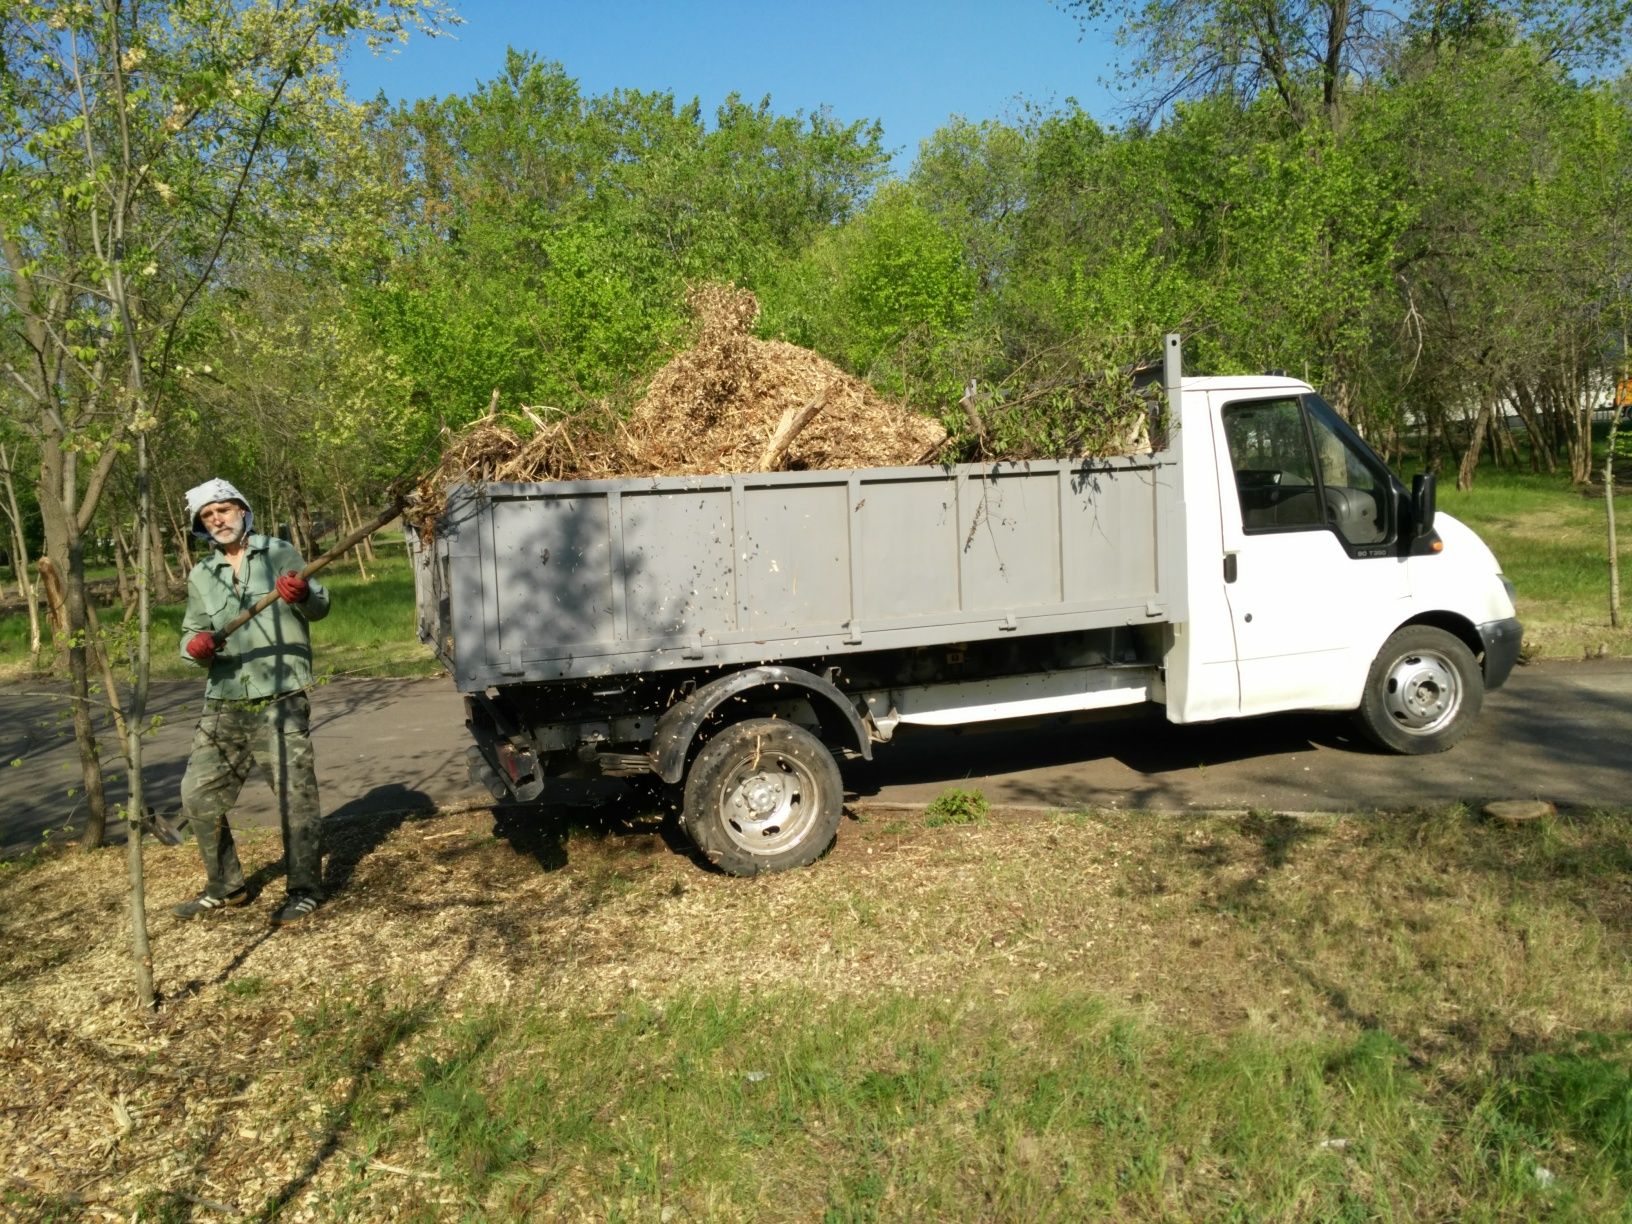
{"x": 1229, "y": 567}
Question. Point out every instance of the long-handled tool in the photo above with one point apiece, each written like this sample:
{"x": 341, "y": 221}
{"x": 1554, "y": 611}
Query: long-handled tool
{"x": 398, "y": 503}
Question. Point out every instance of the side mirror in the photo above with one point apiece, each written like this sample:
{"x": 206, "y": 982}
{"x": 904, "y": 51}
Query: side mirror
{"x": 1424, "y": 487}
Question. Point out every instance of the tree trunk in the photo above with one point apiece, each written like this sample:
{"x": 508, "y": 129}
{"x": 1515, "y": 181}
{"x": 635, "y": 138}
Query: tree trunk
{"x": 1609, "y": 501}
{"x": 104, "y": 666}
{"x": 1609, "y": 515}
{"x": 1569, "y": 426}
{"x": 56, "y": 604}
{"x": 165, "y": 585}
{"x": 141, "y": 948}
{"x": 19, "y": 561}
{"x": 121, "y": 550}
{"x": 184, "y": 544}
{"x": 1540, "y": 450}
{"x": 1580, "y": 436}
{"x": 1505, "y": 445}
{"x": 354, "y": 516}
{"x": 353, "y": 521}
{"x": 1470, "y": 457}
{"x": 65, "y": 546}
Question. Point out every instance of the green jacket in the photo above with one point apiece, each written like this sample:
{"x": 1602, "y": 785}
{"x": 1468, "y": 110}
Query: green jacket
{"x": 273, "y": 653}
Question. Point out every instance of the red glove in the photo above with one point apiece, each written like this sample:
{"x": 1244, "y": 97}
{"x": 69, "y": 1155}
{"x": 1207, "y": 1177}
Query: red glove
{"x": 292, "y": 588}
{"x": 201, "y": 646}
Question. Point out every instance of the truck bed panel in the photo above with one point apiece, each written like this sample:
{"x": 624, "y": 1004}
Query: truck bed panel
{"x": 538, "y": 582}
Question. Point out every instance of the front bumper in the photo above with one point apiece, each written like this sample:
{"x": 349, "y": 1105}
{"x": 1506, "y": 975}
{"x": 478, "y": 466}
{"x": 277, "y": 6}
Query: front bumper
{"x": 1502, "y": 639}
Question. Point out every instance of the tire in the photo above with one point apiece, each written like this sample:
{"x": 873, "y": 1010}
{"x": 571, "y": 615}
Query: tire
{"x": 1422, "y": 693}
{"x": 763, "y": 795}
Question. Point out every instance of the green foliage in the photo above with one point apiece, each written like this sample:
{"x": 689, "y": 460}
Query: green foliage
{"x": 887, "y": 296}
{"x": 1429, "y": 225}
{"x": 958, "y": 806}
{"x": 555, "y": 234}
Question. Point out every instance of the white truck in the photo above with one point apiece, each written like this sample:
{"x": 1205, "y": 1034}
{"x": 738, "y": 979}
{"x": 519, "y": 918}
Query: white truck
{"x": 734, "y": 635}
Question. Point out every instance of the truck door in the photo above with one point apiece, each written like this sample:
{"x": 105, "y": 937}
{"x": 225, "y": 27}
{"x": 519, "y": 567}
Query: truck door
{"x": 1311, "y": 574}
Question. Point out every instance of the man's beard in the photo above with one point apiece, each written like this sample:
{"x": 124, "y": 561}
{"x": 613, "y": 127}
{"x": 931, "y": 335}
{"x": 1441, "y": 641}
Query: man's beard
{"x": 226, "y": 536}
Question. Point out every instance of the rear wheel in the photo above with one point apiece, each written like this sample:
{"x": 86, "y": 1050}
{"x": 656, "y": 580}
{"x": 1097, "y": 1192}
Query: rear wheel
{"x": 763, "y": 795}
{"x": 1423, "y": 692}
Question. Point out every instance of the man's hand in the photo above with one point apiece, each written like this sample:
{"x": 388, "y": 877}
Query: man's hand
{"x": 201, "y": 646}
{"x": 292, "y": 588}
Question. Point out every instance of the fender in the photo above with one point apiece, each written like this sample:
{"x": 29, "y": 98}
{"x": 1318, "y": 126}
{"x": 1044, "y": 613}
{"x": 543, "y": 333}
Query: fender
{"x": 680, "y": 723}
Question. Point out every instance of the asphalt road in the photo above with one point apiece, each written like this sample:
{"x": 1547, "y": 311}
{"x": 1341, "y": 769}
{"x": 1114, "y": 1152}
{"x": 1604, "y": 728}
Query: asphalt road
{"x": 1557, "y": 731}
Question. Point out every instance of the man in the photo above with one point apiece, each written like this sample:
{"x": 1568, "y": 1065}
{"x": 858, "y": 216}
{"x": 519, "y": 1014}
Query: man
{"x": 256, "y": 709}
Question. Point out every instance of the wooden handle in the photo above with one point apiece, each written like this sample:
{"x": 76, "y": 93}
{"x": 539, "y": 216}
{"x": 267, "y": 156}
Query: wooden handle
{"x": 351, "y": 541}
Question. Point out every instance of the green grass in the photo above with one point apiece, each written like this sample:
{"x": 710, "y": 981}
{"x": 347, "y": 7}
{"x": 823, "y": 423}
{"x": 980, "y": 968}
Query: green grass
{"x": 1249, "y": 1017}
{"x": 1049, "y": 1105}
{"x": 1551, "y": 541}
{"x": 957, "y": 806}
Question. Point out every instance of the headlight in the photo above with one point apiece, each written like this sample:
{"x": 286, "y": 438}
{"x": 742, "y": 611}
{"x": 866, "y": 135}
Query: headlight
{"x": 1512, "y": 591}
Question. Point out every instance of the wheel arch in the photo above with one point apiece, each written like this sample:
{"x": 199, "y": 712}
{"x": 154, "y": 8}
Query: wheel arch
{"x": 678, "y": 727}
{"x": 1453, "y": 623}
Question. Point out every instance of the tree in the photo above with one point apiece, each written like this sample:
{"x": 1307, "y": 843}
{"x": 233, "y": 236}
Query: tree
{"x": 1306, "y": 52}
{"x": 17, "y": 547}
{"x": 546, "y": 237}
{"x": 139, "y": 135}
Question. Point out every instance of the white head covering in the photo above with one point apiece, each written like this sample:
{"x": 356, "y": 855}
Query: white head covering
{"x": 207, "y": 494}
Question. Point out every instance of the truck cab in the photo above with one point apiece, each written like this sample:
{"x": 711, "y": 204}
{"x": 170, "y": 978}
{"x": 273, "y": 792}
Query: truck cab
{"x": 1307, "y": 557}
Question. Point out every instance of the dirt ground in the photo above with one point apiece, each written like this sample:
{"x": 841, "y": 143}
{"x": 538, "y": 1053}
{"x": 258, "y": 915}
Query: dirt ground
{"x": 102, "y": 1107}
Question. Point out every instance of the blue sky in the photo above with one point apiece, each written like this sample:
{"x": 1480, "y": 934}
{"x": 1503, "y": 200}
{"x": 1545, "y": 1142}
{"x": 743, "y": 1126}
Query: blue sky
{"x": 908, "y": 63}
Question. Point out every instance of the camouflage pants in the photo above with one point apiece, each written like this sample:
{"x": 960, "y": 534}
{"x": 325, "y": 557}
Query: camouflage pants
{"x": 232, "y": 737}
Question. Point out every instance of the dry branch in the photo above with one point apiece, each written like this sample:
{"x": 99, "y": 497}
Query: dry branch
{"x": 787, "y": 429}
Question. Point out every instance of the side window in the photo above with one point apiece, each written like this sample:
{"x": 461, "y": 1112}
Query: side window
{"x": 1274, "y": 469}
{"x": 1293, "y": 476}
{"x": 1355, "y": 492}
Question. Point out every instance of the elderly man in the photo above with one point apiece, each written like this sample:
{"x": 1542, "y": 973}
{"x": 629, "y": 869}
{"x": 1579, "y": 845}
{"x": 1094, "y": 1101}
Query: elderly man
{"x": 256, "y": 709}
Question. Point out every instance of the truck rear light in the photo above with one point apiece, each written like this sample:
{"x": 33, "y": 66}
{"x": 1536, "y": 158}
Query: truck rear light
{"x": 511, "y": 760}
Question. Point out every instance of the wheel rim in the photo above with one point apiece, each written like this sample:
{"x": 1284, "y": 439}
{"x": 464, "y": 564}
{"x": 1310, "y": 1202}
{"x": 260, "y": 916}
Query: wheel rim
{"x": 1422, "y": 692}
{"x": 768, "y": 804}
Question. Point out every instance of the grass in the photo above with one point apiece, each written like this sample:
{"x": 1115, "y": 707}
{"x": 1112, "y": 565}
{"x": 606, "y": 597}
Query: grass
{"x": 956, "y": 806}
{"x": 1417, "y": 1015}
{"x": 1551, "y": 541}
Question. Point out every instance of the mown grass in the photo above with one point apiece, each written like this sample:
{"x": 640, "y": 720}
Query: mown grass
{"x": 1552, "y": 542}
{"x": 369, "y": 631}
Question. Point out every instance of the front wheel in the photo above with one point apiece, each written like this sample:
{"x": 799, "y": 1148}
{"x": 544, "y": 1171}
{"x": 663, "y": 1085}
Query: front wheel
{"x": 763, "y": 795}
{"x": 1423, "y": 692}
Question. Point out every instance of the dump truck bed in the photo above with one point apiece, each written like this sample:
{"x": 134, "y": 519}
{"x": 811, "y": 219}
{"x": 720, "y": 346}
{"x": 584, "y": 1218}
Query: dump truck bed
{"x": 526, "y": 583}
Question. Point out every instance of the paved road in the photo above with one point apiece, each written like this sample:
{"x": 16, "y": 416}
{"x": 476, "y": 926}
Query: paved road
{"x": 1561, "y": 732}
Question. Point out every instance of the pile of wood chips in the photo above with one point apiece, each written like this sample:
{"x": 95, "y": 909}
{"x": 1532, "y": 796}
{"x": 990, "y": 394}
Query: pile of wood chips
{"x": 717, "y": 406}
{"x": 730, "y": 403}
